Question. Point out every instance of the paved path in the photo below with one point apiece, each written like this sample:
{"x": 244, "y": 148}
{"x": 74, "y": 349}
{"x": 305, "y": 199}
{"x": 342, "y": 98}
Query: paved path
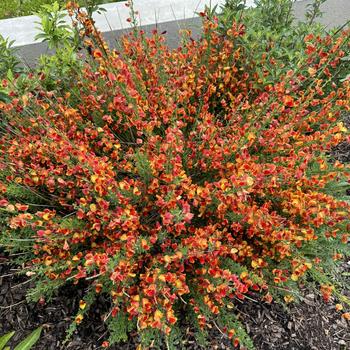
{"x": 336, "y": 12}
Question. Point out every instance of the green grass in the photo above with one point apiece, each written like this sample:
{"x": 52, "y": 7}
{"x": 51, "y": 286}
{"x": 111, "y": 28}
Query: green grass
{"x": 16, "y": 8}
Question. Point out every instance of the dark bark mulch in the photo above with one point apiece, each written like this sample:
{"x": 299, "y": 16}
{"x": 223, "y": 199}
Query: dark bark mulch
{"x": 310, "y": 325}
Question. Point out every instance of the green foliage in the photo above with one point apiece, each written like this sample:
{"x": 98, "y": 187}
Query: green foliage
{"x": 9, "y": 64}
{"x": 5, "y": 339}
{"x": 143, "y": 166}
{"x": 9, "y": 8}
{"x": 43, "y": 288}
{"x": 24, "y": 193}
{"x": 347, "y": 60}
{"x": 25, "y": 344}
{"x": 15, "y": 8}
{"x": 272, "y": 30}
{"x": 92, "y": 6}
{"x": 118, "y": 327}
{"x": 275, "y": 14}
{"x": 88, "y": 301}
{"x": 230, "y": 320}
{"x": 175, "y": 338}
{"x": 30, "y": 341}
{"x": 314, "y": 10}
{"x": 57, "y": 68}
{"x": 8, "y": 59}
{"x": 54, "y": 29}
{"x": 151, "y": 337}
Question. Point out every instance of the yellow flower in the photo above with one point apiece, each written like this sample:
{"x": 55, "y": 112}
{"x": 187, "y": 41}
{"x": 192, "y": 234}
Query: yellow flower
{"x": 93, "y": 178}
{"x": 158, "y": 315}
{"x": 82, "y": 304}
{"x": 250, "y": 181}
{"x": 308, "y": 265}
{"x": 46, "y": 216}
{"x": 339, "y": 307}
{"x": 257, "y": 263}
{"x": 341, "y": 127}
{"x": 251, "y": 136}
{"x": 312, "y": 71}
{"x": 288, "y": 298}
{"x": 294, "y": 277}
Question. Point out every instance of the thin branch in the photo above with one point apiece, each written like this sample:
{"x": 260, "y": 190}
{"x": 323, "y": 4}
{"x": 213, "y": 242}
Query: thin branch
{"x": 12, "y": 305}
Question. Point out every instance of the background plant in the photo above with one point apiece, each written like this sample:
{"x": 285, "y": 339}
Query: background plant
{"x": 63, "y": 39}
{"x": 25, "y": 344}
{"x": 272, "y": 32}
{"x": 53, "y": 26}
{"x": 9, "y": 64}
{"x": 8, "y": 59}
{"x": 15, "y": 8}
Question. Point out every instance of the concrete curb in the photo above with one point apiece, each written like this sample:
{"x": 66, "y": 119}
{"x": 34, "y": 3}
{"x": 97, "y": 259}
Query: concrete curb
{"x": 22, "y": 30}
{"x": 169, "y": 15}
{"x": 29, "y": 54}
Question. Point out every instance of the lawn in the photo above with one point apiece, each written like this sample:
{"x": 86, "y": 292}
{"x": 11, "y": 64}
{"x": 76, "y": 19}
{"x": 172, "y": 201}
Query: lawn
{"x": 16, "y": 8}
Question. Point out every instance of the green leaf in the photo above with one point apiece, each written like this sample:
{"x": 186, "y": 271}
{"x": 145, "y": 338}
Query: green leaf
{"x": 4, "y": 97}
{"x": 346, "y": 78}
{"x": 9, "y": 75}
{"x": 28, "y": 342}
{"x": 5, "y": 338}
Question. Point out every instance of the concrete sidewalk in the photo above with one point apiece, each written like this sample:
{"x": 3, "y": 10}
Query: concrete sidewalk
{"x": 336, "y": 13}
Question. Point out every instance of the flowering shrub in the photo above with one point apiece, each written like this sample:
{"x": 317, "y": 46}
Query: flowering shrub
{"x": 174, "y": 181}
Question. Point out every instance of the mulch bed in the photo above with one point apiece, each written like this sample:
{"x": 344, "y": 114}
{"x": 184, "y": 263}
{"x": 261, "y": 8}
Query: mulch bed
{"x": 309, "y": 325}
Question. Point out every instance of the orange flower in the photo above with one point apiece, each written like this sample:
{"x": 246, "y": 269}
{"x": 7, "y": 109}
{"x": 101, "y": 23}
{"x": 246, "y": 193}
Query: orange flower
{"x": 288, "y": 101}
{"x": 79, "y": 318}
{"x": 346, "y": 316}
